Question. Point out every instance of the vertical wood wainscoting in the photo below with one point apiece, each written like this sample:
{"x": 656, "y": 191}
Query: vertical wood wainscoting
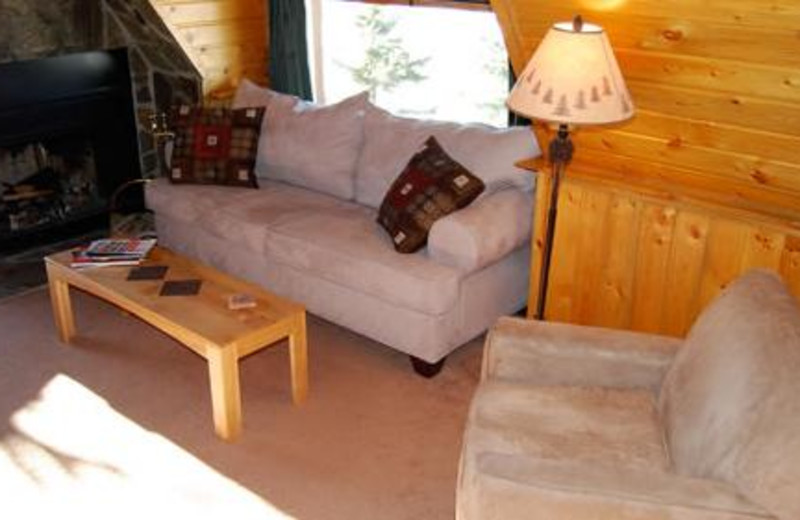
{"x": 658, "y": 214}
{"x": 226, "y": 40}
{"x": 636, "y": 261}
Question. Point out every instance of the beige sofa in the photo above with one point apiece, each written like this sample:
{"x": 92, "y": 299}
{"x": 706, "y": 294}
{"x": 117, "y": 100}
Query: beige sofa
{"x": 581, "y": 423}
{"x": 310, "y": 231}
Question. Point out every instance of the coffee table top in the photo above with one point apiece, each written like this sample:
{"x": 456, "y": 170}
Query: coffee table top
{"x": 198, "y": 320}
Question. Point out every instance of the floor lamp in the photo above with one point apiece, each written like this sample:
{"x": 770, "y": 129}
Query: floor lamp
{"x": 571, "y": 80}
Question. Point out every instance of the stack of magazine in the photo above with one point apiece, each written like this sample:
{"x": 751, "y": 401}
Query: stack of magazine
{"x": 112, "y": 251}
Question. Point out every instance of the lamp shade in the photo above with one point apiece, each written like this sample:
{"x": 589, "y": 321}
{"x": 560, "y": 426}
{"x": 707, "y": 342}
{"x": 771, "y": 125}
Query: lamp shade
{"x": 572, "y": 78}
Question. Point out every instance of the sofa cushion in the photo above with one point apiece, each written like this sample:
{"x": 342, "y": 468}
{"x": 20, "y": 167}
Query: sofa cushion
{"x": 345, "y": 245}
{"x": 495, "y": 486}
{"x": 215, "y": 145}
{"x": 249, "y": 94}
{"x": 250, "y": 219}
{"x": 484, "y": 232}
{"x": 586, "y": 425}
{"x": 489, "y": 153}
{"x": 431, "y": 186}
{"x": 330, "y": 238}
{"x": 242, "y": 216}
{"x": 312, "y": 146}
{"x": 730, "y": 401}
{"x": 190, "y": 203}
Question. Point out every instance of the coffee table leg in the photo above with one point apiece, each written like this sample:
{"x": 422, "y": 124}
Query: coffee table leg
{"x": 226, "y": 402}
{"x": 62, "y": 308}
{"x": 298, "y": 358}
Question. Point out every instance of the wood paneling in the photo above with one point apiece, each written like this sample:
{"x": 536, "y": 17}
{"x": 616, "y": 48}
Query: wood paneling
{"x": 628, "y": 260}
{"x": 225, "y": 39}
{"x": 702, "y": 184}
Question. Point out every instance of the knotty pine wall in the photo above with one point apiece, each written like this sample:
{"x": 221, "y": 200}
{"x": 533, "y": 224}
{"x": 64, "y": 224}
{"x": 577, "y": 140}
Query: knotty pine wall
{"x": 659, "y": 214}
{"x": 225, "y": 39}
{"x": 631, "y": 260}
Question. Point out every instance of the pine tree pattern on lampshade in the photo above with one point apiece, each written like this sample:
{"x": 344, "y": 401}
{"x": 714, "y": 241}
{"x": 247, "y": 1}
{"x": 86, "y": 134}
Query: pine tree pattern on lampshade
{"x": 573, "y": 77}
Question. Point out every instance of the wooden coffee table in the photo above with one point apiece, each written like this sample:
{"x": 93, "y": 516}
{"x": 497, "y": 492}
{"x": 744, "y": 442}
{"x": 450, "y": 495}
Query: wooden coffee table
{"x": 202, "y": 322}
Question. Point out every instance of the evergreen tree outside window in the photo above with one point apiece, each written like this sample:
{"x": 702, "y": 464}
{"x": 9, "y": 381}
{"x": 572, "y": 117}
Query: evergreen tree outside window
{"x": 386, "y": 63}
{"x": 438, "y": 63}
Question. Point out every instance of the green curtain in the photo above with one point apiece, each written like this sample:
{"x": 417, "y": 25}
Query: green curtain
{"x": 288, "y": 60}
{"x": 515, "y": 119}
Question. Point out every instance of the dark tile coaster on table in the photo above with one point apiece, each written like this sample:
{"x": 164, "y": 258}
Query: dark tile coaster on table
{"x": 148, "y": 272}
{"x": 180, "y": 288}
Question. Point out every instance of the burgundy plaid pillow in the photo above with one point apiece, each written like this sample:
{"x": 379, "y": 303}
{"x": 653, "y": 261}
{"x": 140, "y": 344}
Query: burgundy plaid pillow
{"x": 215, "y": 145}
{"x": 431, "y": 186}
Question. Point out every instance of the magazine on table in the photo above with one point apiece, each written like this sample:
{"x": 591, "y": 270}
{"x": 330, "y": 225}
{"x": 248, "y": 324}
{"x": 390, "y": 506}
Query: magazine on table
{"x": 134, "y": 248}
{"x": 112, "y": 252}
{"x": 80, "y": 259}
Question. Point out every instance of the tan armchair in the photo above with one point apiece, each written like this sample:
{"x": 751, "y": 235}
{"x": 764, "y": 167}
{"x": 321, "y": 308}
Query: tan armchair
{"x": 579, "y": 423}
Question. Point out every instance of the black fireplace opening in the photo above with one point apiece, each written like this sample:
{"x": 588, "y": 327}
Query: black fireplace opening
{"x": 68, "y": 140}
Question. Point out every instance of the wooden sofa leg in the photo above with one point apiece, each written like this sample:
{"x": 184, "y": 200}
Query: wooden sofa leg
{"x": 426, "y": 369}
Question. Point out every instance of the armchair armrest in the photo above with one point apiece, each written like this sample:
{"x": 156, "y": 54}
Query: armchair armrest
{"x": 483, "y": 232}
{"x": 547, "y": 353}
{"x": 503, "y": 486}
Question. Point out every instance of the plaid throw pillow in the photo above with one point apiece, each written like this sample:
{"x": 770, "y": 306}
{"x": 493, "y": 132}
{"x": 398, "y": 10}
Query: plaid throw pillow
{"x": 431, "y": 186}
{"x": 215, "y": 145}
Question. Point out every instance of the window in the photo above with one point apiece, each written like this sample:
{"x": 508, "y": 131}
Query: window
{"x": 429, "y": 62}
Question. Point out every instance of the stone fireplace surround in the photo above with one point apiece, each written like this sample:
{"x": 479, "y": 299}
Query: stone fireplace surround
{"x": 161, "y": 73}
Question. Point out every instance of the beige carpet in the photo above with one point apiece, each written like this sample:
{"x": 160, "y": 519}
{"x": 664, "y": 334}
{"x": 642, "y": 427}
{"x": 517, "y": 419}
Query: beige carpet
{"x": 119, "y": 425}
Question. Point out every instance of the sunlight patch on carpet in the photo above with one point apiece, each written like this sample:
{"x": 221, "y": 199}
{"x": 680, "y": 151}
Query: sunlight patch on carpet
{"x": 72, "y": 454}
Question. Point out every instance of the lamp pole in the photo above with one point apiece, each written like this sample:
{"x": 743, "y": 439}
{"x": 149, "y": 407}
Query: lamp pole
{"x": 560, "y": 151}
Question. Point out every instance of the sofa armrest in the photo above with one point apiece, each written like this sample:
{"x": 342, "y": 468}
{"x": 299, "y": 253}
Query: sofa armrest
{"x": 504, "y": 486}
{"x": 548, "y": 353}
{"x": 483, "y": 232}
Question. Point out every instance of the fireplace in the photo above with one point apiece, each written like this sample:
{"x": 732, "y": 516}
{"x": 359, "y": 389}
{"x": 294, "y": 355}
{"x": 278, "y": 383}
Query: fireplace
{"x": 68, "y": 140}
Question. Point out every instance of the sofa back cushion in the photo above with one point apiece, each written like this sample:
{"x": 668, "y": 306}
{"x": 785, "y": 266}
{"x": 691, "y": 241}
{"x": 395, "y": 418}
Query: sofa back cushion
{"x": 312, "y": 146}
{"x": 391, "y": 141}
{"x": 730, "y": 403}
{"x": 249, "y": 94}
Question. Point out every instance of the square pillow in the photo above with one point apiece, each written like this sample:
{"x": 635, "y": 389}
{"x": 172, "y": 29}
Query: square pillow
{"x": 215, "y": 145}
{"x": 431, "y": 186}
{"x": 313, "y": 146}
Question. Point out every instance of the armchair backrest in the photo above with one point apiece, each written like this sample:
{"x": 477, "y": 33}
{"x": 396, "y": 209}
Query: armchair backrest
{"x": 730, "y": 403}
